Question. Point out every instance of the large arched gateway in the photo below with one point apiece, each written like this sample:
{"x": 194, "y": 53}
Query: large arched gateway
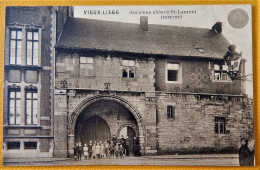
{"x": 99, "y": 118}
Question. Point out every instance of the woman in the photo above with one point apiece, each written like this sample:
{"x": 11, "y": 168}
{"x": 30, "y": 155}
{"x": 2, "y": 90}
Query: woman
{"x": 245, "y": 155}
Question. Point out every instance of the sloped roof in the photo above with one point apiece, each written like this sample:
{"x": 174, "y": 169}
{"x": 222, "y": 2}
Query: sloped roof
{"x": 126, "y": 37}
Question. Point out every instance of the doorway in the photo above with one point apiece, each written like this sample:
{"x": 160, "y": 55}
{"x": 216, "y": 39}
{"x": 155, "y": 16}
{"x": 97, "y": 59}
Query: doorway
{"x": 94, "y": 128}
{"x": 130, "y": 132}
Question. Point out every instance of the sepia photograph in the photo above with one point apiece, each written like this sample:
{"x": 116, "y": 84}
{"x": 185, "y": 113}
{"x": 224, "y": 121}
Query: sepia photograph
{"x": 128, "y": 85}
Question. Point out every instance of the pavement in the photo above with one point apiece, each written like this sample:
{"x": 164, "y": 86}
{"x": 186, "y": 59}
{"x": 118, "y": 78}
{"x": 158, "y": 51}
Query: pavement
{"x": 186, "y": 160}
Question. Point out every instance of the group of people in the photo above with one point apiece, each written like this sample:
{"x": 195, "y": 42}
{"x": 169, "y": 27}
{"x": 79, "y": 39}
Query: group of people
{"x": 246, "y": 156}
{"x": 114, "y": 148}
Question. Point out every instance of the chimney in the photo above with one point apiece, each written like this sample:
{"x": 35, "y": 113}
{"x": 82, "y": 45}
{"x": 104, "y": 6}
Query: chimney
{"x": 144, "y": 23}
{"x": 217, "y": 28}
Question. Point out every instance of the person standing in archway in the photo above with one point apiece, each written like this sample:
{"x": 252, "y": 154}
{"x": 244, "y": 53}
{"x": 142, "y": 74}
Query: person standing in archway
{"x": 135, "y": 147}
{"x": 90, "y": 149}
{"x": 76, "y": 151}
{"x": 114, "y": 140}
{"x": 123, "y": 143}
{"x": 80, "y": 152}
{"x": 127, "y": 142}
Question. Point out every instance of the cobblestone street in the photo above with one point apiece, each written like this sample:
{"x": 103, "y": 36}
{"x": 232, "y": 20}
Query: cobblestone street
{"x": 187, "y": 160}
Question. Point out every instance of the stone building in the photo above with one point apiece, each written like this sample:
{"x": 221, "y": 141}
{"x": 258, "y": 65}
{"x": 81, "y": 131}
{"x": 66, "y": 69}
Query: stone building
{"x": 167, "y": 85}
{"x": 30, "y": 36}
{"x": 92, "y": 79}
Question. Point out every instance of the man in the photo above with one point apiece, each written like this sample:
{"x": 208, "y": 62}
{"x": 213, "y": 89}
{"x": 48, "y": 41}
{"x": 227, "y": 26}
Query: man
{"x": 114, "y": 140}
{"x": 90, "y": 149}
{"x": 127, "y": 142}
{"x": 80, "y": 152}
{"x": 134, "y": 146}
{"x": 123, "y": 143}
{"x": 76, "y": 151}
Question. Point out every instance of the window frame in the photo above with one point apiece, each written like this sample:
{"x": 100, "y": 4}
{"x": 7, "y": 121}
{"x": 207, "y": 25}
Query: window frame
{"x": 128, "y": 67}
{"x": 179, "y": 74}
{"x": 33, "y": 41}
{"x": 221, "y": 72}
{"x": 32, "y": 114}
{"x": 24, "y": 145}
{"x": 16, "y": 41}
{"x": 170, "y": 112}
{"x": 9, "y": 142}
{"x": 219, "y": 121}
{"x": 15, "y": 91}
{"x": 86, "y": 64}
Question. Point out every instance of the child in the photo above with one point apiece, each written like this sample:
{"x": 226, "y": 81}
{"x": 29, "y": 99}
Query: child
{"x": 98, "y": 148}
{"x": 121, "y": 151}
{"x": 102, "y": 150}
{"x": 116, "y": 148}
{"x": 85, "y": 151}
{"x": 107, "y": 150}
{"x": 94, "y": 153}
{"x": 112, "y": 150}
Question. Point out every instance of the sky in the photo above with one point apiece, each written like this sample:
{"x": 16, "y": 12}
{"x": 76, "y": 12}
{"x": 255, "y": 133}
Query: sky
{"x": 202, "y": 16}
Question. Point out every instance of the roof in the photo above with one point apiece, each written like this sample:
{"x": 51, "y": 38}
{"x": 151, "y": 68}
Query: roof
{"x": 127, "y": 37}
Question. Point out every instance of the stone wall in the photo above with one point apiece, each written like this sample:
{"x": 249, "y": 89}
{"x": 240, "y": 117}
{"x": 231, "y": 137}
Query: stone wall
{"x": 197, "y": 77}
{"x": 106, "y": 68}
{"x": 193, "y": 129}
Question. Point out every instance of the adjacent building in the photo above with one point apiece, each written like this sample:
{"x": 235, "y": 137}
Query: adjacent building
{"x": 70, "y": 80}
{"x": 30, "y": 36}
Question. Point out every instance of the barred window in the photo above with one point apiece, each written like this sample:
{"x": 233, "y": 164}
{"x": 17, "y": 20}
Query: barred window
{"x": 170, "y": 112}
{"x": 32, "y": 47}
{"x": 15, "y": 46}
{"x": 220, "y": 125}
{"x": 14, "y": 108}
{"x": 31, "y": 107}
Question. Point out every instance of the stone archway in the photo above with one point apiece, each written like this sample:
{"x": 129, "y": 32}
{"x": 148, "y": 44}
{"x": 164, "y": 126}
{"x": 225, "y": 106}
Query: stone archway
{"x": 88, "y": 103}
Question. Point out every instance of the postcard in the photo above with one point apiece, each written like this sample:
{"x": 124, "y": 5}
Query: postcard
{"x": 128, "y": 85}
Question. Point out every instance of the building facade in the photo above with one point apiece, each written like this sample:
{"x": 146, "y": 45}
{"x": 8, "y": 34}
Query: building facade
{"x": 30, "y": 36}
{"x": 83, "y": 79}
{"x": 167, "y": 85}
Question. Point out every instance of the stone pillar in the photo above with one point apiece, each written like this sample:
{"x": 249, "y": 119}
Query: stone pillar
{"x": 60, "y": 124}
{"x": 71, "y": 144}
{"x": 142, "y": 144}
{"x": 150, "y": 115}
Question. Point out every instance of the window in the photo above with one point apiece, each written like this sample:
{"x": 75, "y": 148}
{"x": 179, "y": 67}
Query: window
{"x": 31, "y": 108}
{"x": 86, "y": 66}
{"x": 32, "y": 38}
{"x": 15, "y": 46}
{"x": 128, "y": 68}
{"x": 173, "y": 72}
{"x": 221, "y": 72}
{"x": 30, "y": 145}
{"x": 13, "y": 145}
{"x": 170, "y": 112}
{"x": 220, "y": 125}
{"x": 14, "y": 108}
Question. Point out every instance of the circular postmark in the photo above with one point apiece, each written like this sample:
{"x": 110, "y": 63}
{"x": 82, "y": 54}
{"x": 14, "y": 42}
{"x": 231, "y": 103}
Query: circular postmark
{"x": 238, "y": 18}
